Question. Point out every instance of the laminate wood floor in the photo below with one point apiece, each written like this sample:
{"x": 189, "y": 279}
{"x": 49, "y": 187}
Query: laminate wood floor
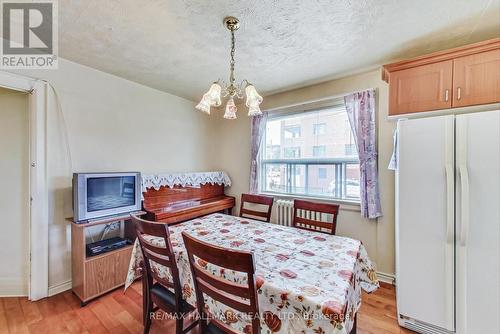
{"x": 119, "y": 312}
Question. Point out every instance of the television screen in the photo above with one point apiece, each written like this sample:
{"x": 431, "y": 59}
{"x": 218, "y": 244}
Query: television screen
{"x": 105, "y": 193}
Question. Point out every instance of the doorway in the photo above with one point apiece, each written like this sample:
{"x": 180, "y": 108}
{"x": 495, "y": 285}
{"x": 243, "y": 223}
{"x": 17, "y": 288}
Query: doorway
{"x": 14, "y": 193}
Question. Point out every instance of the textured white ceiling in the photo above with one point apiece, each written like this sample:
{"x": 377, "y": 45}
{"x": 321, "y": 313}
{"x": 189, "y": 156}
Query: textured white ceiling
{"x": 181, "y": 46}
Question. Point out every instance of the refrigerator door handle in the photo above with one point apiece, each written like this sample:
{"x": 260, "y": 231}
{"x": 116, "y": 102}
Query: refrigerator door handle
{"x": 464, "y": 213}
{"x": 450, "y": 205}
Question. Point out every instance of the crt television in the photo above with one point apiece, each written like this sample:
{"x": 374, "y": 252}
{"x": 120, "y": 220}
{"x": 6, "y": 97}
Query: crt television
{"x": 98, "y": 195}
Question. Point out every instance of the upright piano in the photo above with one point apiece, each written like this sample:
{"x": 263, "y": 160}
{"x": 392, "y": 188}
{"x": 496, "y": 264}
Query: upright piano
{"x": 180, "y": 203}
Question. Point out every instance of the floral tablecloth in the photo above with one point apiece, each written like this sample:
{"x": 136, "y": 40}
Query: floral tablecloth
{"x": 307, "y": 282}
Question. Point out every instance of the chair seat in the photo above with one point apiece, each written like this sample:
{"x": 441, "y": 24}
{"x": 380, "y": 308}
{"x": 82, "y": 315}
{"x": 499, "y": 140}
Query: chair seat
{"x": 212, "y": 329}
{"x": 167, "y": 297}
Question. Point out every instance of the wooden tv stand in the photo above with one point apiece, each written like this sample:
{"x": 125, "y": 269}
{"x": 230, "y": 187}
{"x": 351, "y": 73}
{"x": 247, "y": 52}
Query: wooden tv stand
{"x": 96, "y": 275}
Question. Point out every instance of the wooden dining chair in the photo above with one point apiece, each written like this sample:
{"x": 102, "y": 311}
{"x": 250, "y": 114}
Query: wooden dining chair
{"x": 156, "y": 292}
{"x": 309, "y": 216}
{"x": 239, "y": 297}
{"x": 256, "y": 199}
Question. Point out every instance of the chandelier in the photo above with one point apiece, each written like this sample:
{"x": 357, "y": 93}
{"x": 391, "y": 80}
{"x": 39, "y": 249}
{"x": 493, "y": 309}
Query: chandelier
{"x": 212, "y": 98}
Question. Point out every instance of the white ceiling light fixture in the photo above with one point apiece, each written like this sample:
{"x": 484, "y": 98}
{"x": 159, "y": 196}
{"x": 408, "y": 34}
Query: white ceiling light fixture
{"x": 212, "y": 98}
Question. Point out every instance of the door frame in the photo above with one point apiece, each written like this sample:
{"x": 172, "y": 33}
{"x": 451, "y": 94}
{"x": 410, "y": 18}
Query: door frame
{"x": 38, "y": 283}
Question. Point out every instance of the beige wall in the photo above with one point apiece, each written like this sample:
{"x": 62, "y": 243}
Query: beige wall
{"x": 233, "y": 155}
{"x": 112, "y": 125}
{"x": 14, "y": 196}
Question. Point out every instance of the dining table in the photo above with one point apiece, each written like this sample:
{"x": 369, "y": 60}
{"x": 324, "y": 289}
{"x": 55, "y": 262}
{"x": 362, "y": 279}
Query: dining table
{"x": 307, "y": 282}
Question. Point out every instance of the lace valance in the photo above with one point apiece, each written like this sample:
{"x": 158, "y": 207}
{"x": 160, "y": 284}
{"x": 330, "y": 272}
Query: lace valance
{"x": 184, "y": 179}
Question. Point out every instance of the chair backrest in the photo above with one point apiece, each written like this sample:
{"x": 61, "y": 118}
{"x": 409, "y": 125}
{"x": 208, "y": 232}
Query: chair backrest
{"x": 161, "y": 255}
{"x": 310, "y": 216}
{"x": 256, "y": 199}
{"x": 240, "y": 297}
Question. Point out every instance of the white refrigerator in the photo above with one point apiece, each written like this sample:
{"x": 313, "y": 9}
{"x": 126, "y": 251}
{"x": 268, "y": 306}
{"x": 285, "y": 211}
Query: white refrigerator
{"x": 448, "y": 224}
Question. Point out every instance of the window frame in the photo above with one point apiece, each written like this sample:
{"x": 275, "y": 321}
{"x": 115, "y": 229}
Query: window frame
{"x": 344, "y": 161}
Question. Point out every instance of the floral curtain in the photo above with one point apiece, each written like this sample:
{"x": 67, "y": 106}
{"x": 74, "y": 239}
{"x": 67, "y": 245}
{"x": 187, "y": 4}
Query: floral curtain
{"x": 258, "y": 127}
{"x": 361, "y": 112}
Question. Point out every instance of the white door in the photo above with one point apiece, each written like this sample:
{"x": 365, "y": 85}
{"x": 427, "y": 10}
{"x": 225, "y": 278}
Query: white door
{"x": 14, "y": 194}
{"x": 425, "y": 222}
{"x": 478, "y": 218}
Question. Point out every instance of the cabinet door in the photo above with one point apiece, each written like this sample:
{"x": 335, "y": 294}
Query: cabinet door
{"x": 421, "y": 88}
{"x": 99, "y": 275}
{"x": 476, "y": 79}
{"x": 106, "y": 272}
{"x": 122, "y": 260}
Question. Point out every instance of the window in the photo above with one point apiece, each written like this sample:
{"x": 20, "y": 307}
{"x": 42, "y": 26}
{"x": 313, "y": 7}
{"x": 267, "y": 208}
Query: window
{"x": 319, "y": 151}
{"x": 292, "y": 152}
{"x": 273, "y": 152}
{"x": 319, "y": 129}
{"x": 322, "y": 173}
{"x": 350, "y": 149}
{"x": 323, "y": 162}
{"x": 292, "y": 131}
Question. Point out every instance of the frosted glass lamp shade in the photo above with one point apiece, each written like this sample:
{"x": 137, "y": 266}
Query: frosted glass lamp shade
{"x": 214, "y": 93}
{"x": 230, "y": 109}
{"x": 254, "y": 110}
{"x": 253, "y": 101}
{"x": 204, "y": 105}
{"x": 210, "y": 99}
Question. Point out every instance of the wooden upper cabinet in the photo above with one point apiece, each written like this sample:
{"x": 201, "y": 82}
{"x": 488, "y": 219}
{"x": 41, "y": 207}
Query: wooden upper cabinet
{"x": 464, "y": 76}
{"x": 421, "y": 88}
{"x": 476, "y": 79}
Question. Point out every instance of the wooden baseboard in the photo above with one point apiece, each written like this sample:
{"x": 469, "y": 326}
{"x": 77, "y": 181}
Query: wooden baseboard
{"x": 60, "y": 287}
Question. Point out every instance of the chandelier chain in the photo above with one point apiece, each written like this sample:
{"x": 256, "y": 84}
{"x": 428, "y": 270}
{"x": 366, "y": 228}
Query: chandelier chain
{"x": 231, "y": 63}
